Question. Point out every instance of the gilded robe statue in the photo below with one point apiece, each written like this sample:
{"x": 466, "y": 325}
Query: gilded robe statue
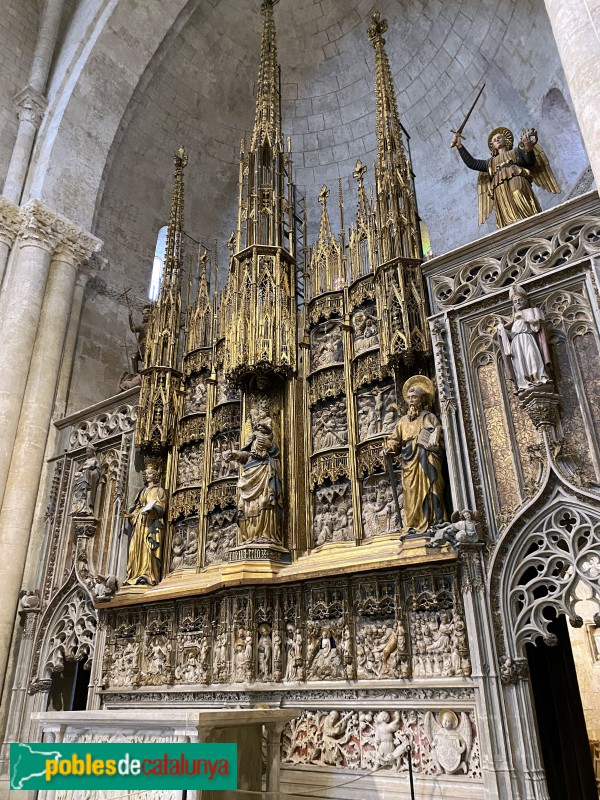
{"x": 419, "y": 440}
{"x": 260, "y": 509}
{"x": 505, "y": 180}
{"x": 146, "y": 518}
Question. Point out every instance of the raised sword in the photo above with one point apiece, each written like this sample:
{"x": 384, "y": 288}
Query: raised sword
{"x": 460, "y": 129}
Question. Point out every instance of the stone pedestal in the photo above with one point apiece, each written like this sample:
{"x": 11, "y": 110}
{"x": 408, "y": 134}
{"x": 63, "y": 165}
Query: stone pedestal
{"x": 244, "y": 727}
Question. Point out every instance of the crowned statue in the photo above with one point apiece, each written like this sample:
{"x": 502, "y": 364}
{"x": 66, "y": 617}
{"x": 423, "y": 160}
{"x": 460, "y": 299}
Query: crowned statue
{"x": 146, "y": 519}
{"x": 524, "y": 345}
{"x": 260, "y": 495}
{"x": 418, "y": 438}
{"x": 505, "y": 180}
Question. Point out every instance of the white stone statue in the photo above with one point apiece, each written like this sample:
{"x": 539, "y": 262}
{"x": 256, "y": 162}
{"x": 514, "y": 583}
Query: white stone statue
{"x": 524, "y": 344}
{"x": 85, "y": 488}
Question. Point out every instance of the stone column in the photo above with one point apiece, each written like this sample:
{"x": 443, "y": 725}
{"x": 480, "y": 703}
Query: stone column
{"x": 10, "y": 221}
{"x": 28, "y": 453}
{"x": 24, "y": 292}
{"x": 66, "y": 367}
{"x": 30, "y": 107}
{"x": 576, "y": 28}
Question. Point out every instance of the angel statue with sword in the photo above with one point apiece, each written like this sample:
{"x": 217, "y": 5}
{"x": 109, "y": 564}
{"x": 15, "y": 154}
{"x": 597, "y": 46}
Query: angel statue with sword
{"x": 505, "y": 179}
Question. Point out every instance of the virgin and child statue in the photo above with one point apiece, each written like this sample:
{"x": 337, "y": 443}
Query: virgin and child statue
{"x": 260, "y": 495}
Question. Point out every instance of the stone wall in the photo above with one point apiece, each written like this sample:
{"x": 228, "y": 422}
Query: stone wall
{"x": 18, "y": 30}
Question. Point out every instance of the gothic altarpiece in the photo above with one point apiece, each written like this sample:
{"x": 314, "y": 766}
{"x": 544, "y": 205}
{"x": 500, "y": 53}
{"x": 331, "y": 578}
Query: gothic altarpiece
{"x": 276, "y": 560}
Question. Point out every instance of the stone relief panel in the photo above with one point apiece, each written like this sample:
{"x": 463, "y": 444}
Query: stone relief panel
{"x": 184, "y": 545}
{"x": 190, "y": 463}
{"x": 377, "y": 411}
{"x": 381, "y": 641}
{"x": 441, "y": 743}
{"x": 221, "y": 536}
{"x": 326, "y": 345}
{"x": 329, "y": 425}
{"x": 223, "y": 443}
{"x": 439, "y": 644}
{"x": 366, "y": 328}
{"x": 383, "y": 627}
{"x": 378, "y": 507}
{"x": 327, "y": 648}
{"x": 194, "y": 401}
{"x": 333, "y": 521}
{"x": 226, "y": 392}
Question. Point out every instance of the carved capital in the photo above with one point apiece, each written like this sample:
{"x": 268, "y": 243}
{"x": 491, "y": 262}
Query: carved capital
{"x": 45, "y": 228}
{"x": 30, "y": 106}
{"x": 10, "y": 221}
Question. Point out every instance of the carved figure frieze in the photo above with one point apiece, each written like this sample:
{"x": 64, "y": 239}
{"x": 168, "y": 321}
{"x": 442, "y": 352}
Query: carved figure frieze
{"x": 329, "y": 425}
{"x": 223, "y": 445}
{"x": 380, "y": 649}
{"x": 184, "y": 545}
{"x": 221, "y": 535}
{"x": 189, "y": 465}
{"x": 124, "y": 668}
{"x": 194, "y": 401}
{"x": 366, "y": 329}
{"x": 327, "y": 345}
{"x": 374, "y": 740}
{"x": 377, "y": 411}
{"x": 333, "y": 515}
{"x": 439, "y": 644}
{"x": 157, "y": 658}
{"x": 324, "y": 657}
{"x": 378, "y": 507}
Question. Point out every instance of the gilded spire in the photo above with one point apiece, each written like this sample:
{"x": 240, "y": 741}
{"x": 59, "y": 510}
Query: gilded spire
{"x": 267, "y": 121}
{"x": 390, "y": 147}
{"x": 160, "y": 377}
{"x": 325, "y": 261}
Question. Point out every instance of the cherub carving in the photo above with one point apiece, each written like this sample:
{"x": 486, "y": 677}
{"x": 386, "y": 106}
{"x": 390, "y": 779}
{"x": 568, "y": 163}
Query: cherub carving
{"x": 450, "y": 740}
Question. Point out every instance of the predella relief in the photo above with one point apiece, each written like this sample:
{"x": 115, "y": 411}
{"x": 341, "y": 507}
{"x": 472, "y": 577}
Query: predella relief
{"x": 333, "y": 514}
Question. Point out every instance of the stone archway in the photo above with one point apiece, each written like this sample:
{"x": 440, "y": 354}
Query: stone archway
{"x": 543, "y": 570}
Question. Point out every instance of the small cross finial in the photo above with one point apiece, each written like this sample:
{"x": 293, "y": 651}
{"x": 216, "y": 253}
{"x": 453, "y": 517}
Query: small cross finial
{"x": 181, "y": 158}
{"x": 266, "y": 6}
{"x": 359, "y": 170}
{"x": 377, "y": 27}
{"x": 323, "y": 195}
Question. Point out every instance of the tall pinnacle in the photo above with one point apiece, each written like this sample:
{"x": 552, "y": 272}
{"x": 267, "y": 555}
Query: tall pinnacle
{"x": 390, "y": 148}
{"x": 267, "y": 122}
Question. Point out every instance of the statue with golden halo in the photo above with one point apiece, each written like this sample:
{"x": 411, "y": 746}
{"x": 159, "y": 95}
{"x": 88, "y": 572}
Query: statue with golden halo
{"x": 418, "y": 438}
{"x": 505, "y": 180}
{"x": 146, "y": 519}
